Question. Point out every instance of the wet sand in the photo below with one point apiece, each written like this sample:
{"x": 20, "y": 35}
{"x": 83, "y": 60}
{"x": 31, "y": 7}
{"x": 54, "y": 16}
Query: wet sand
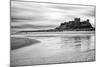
{"x": 55, "y": 50}
{"x": 21, "y": 42}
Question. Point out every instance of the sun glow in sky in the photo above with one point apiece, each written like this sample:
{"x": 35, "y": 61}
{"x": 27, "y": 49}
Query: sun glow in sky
{"x": 35, "y": 15}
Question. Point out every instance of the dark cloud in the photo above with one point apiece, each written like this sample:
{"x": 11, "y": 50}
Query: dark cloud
{"x": 64, "y": 7}
{"x": 32, "y": 26}
{"x": 90, "y": 13}
{"x": 27, "y": 18}
{"x": 19, "y": 19}
{"x": 20, "y": 9}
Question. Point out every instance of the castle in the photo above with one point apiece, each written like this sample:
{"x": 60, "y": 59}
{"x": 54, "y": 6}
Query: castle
{"x": 76, "y": 25}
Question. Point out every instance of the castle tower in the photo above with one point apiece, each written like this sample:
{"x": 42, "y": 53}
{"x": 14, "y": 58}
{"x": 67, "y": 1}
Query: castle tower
{"x": 87, "y": 20}
{"x": 77, "y": 20}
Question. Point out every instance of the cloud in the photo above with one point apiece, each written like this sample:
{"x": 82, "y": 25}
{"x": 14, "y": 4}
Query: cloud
{"x": 65, "y": 7}
{"x": 32, "y": 26}
{"x": 44, "y": 15}
{"x": 90, "y": 13}
{"x": 26, "y": 11}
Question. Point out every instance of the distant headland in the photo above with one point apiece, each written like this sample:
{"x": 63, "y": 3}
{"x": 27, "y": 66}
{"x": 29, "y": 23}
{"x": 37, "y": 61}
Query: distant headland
{"x": 75, "y": 25}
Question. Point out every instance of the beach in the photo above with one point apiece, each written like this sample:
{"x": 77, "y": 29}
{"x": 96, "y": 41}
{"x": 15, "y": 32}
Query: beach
{"x": 54, "y": 49}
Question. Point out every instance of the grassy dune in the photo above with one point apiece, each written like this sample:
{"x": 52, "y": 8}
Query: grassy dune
{"x": 21, "y": 42}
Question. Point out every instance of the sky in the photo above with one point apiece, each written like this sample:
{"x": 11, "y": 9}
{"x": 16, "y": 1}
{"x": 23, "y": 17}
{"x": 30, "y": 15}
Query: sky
{"x": 27, "y": 15}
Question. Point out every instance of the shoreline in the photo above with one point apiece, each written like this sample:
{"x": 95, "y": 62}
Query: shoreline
{"x": 64, "y": 33}
{"x": 59, "y": 32}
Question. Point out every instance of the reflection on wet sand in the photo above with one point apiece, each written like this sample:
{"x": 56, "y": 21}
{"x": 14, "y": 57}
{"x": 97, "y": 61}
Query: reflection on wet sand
{"x": 55, "y": 50}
